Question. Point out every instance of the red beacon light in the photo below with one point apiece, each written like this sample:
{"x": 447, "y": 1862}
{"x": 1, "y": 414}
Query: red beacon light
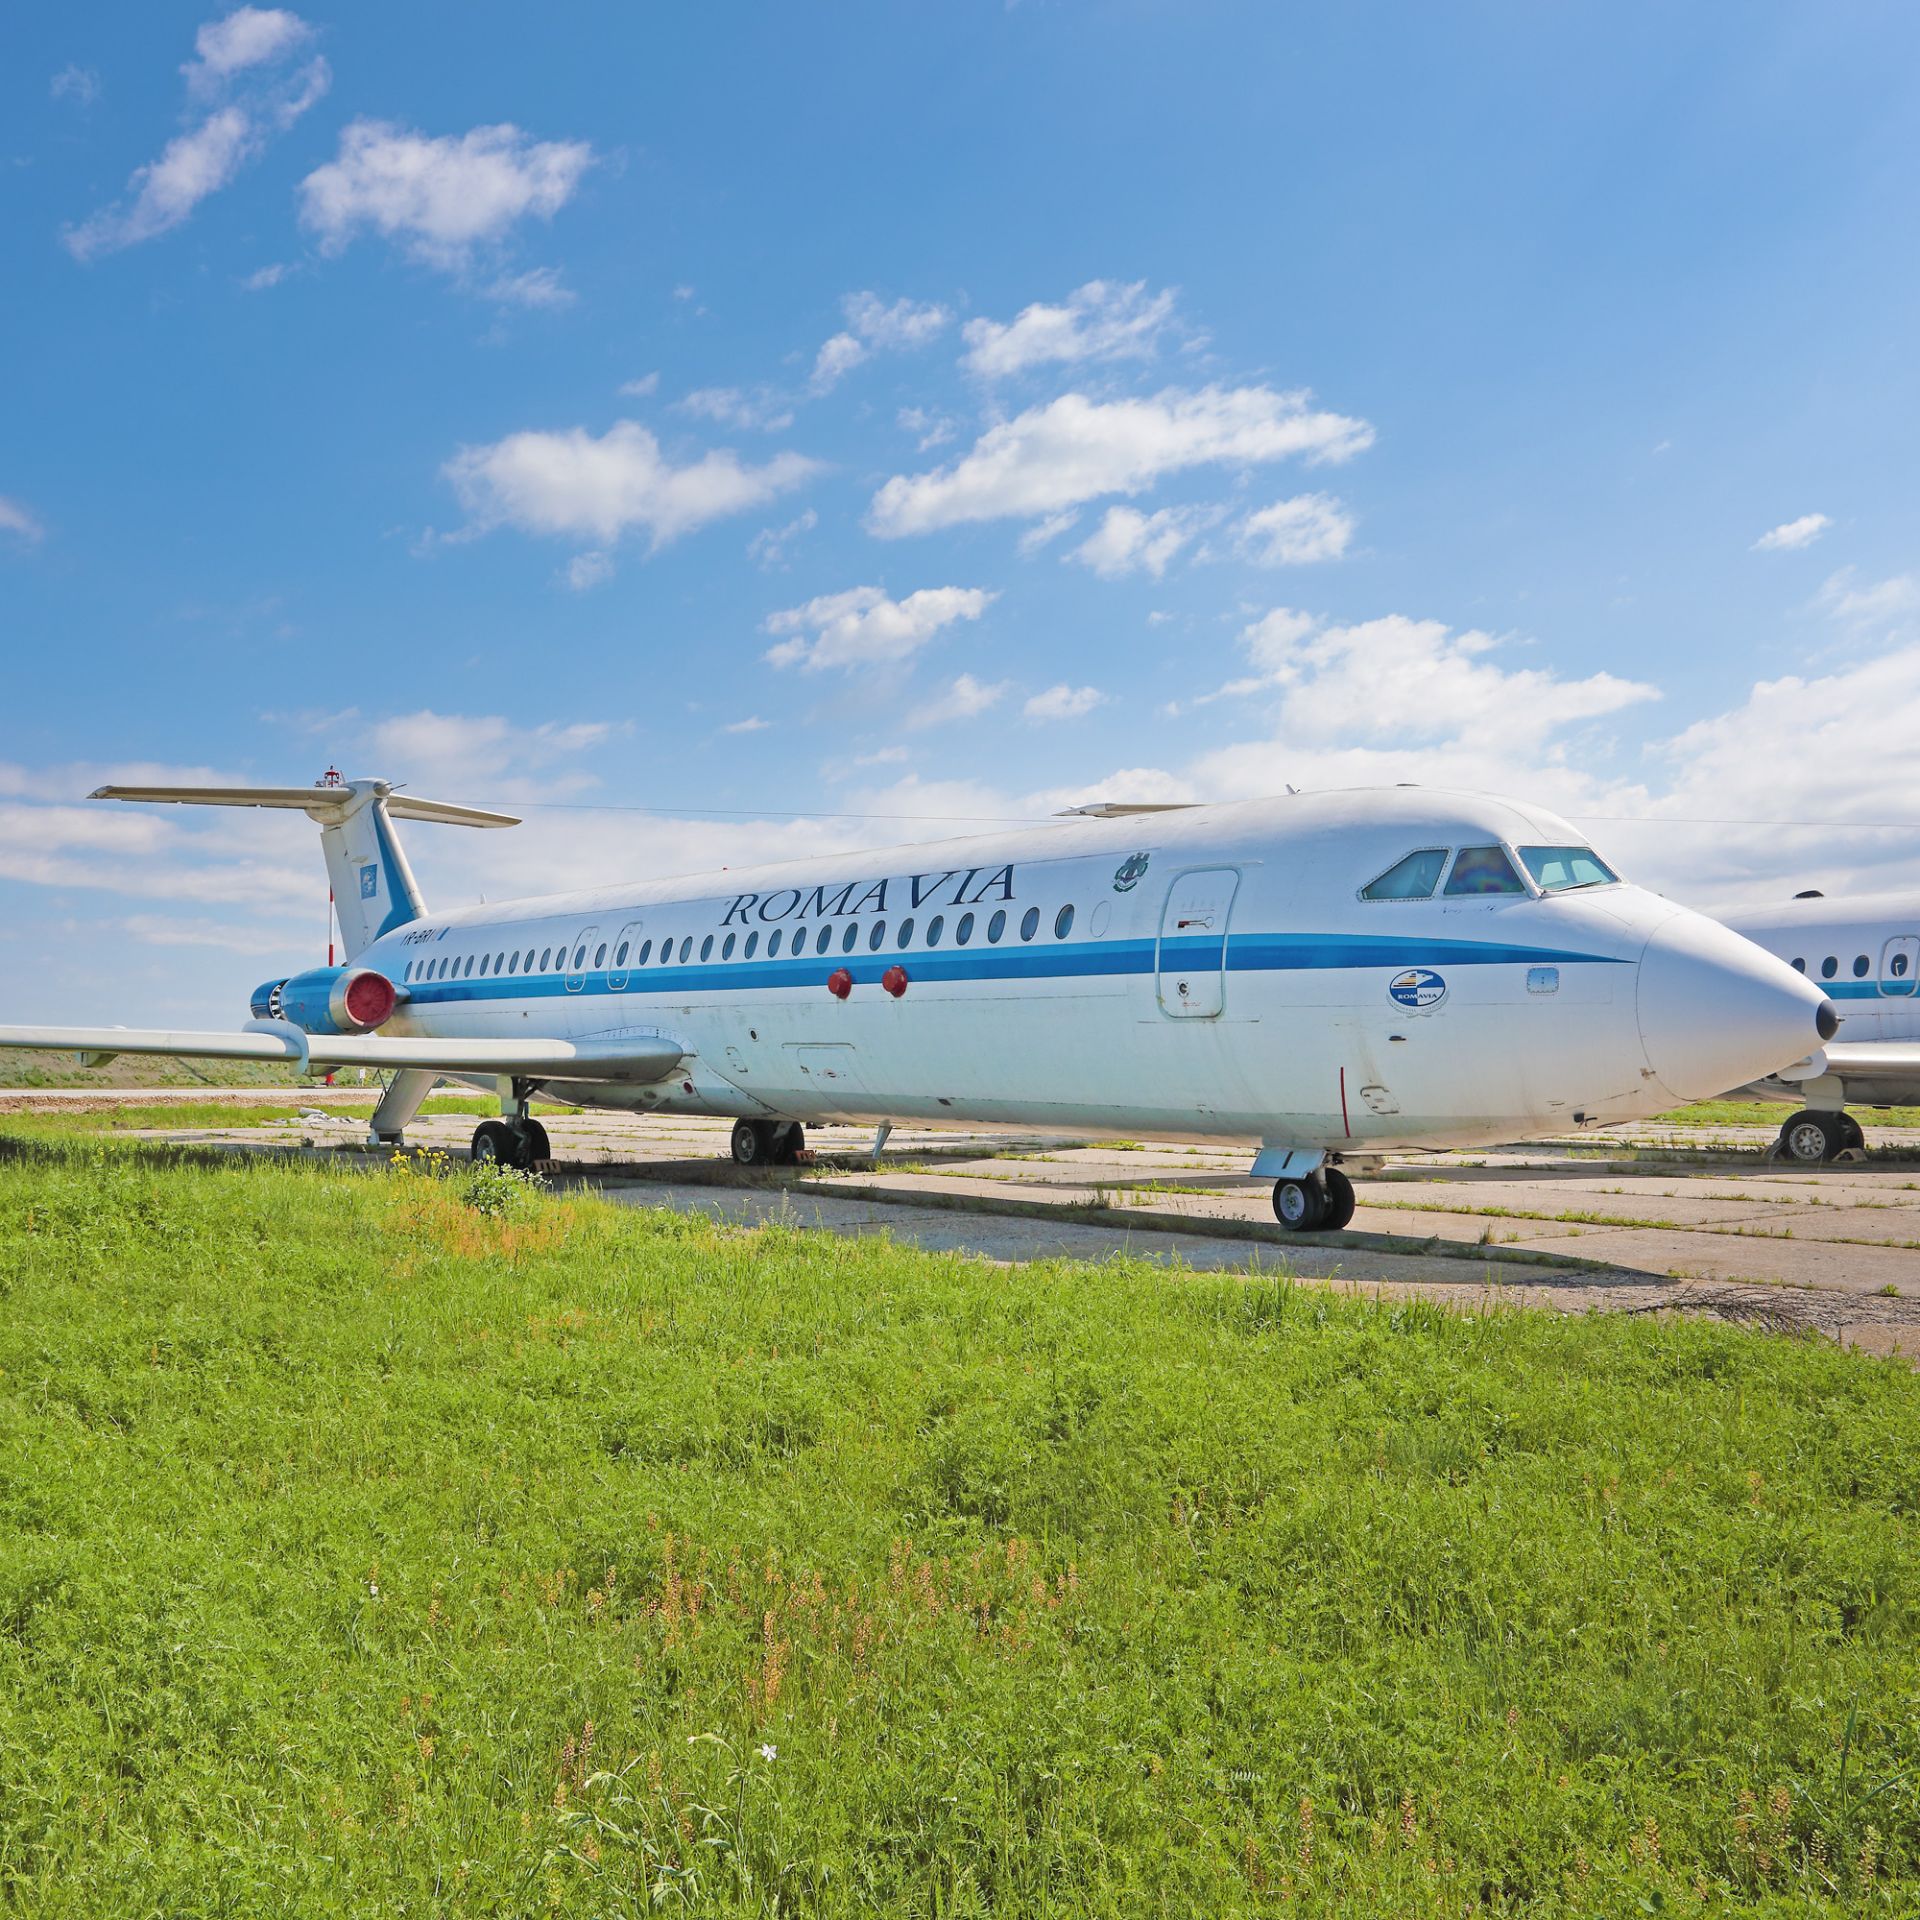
{"x": 839, "y": 983}
{"x": 895, "y": 980}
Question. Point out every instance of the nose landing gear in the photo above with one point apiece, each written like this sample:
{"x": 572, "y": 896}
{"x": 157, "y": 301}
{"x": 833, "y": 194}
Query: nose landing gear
{"x": 516, "y": 1143}
{"x": 1322, "y": 1202}
{"x": 1811, "y": 1138}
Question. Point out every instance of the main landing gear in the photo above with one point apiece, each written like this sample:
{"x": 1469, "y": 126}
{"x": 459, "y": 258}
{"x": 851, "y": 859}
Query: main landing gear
{"x": 1322, "y": 1202}
{"x": 519, "y": 1143}
{"x": 767, "y": 1143}
{"x": 1810, "y": 1138}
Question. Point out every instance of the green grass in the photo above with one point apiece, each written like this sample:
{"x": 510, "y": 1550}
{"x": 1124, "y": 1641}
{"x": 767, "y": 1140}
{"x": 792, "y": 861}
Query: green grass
{"x": 1770, "y": 1113}
{"x": 206, "y": 1116}
{"x": 384, "y": 1544}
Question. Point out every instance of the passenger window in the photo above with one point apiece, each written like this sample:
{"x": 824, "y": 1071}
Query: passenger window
{"x": 466, "y": 972}
{"x": 600, "y": 955}
{"x": 823, "y": 940}
{"x": 1829, "y": 967}
{"x": 905, "y": 935}
{"x": 528, "y": 967}
{"x": 706, "y": 948}
{"x": 1063, "y": 923}
{"x": 773, "y": 944}
{"x": 753, "y": 942}
{"x": 1860, "y": 965}
{"x": 1413, "y": 878}
{"x": 513, "y": 963}
{"x": 579, "y": 958}
{"x": 485, "y": 960}
{"x": 546, "y": 958}
{"x": 1483, "y": 870}
{"x": 686, "y": 947}
{"x": 641, "y": 958}
{"x": 963, "y": 932}
{"x": 799, "y": 939}
{"x": 877, "y": 936}
{"x": 997, "y": 925}
{"x": 1029, "y": 923}
{"x": 620, "y": 954}
{"x": 935, "y": 927}
{"x": 1897, "y": 966}
{"x": 1799, "y": 966}
{"x": 726, "y": 948}
{"x": 849, "y": 936}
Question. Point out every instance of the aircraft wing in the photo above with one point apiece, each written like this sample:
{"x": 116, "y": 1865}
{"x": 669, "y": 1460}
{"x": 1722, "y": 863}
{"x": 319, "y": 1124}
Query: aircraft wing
{"x": 1863, "y": 1059}
{"x": 640, "y": 1056}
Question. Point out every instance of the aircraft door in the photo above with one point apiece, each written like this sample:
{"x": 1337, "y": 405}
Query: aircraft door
{"x": 625, "y": 950}
{"x": 1191, "y": 962}
{"x": 581, "y": 958}
{"x": 1899, "y": 966}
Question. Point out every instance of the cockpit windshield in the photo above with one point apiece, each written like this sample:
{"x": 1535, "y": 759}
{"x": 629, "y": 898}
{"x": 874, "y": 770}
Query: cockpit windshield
{"x": 1478, "y": 870}
{"x": 1561, "y": 869}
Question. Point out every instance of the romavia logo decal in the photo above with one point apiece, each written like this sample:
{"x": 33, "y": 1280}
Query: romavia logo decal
{"x": 369, "y": 882}
{"x": 1131, "y": 872}
{"x": 1417, "y": 987}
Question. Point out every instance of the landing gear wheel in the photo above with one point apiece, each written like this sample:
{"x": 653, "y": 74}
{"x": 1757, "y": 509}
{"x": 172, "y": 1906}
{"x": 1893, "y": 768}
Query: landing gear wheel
{"x": 1341, "y": 1202}
{"x": 1300, "y": 1205}
{"x": 1851, "y": 1134}
{"x": 1811, "y": 1138}
{"x": 494, "y": 1145}
{"x": 752, "y": 1143}
{"x": 789, "y": 1142}
{"x": 539, "y": 1149}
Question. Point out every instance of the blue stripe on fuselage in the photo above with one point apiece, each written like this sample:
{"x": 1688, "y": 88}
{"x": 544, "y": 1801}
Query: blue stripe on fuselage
{"x": 1246, "y": 953}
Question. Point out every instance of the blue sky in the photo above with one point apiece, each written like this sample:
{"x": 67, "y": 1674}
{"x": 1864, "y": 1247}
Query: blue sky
{"x": 938, "y": 413}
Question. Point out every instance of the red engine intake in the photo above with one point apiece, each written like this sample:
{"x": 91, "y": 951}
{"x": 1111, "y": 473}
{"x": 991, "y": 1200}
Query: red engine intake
{"x": 368, "y": 1000}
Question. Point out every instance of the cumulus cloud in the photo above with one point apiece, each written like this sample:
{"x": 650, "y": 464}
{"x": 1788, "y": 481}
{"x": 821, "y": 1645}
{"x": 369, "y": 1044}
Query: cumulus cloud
{"x": 863, "y": 627}
{"x": 441, "y": 199}
{"x": 18, "y": 521}
{"x": 238, "y": 78}
{"x": 1104, "y": 320}
{"x": 1270, "y": 641}
{"x": 962, "y": 698}
{"x": 81, "y": 85}
{"x": 769, "y": 547}
{"x": 1791, "y": 535}
{"x": 762, "y": 410}
{"x": 875, "y": 327}
{"x": 1129, "y": 541}
{"x": 588, "y": 570}
{"x": 643, "y": 388}
{"x": 1075, "y": 449}
{"x": 1294, "y": 533}
{"x": 1063, "y": 703}
{"x": 928, "y": 428}
{"x": 537, "y": 287}
{"x": 1846, "y": 599}
{"x": 262, "y": 278}
{"x": 570, "y": 483}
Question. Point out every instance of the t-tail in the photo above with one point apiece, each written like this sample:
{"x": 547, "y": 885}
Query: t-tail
{"x": 374, "y": 890}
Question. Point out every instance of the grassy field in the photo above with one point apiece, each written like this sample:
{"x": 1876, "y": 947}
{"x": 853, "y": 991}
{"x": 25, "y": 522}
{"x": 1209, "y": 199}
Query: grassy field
{"x": 1771, "y": 1113}
{"x": 397, "y": 1543}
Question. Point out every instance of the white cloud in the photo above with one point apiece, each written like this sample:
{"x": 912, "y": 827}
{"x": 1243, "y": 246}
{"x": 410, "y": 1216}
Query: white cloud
{"x": 247, "y": 37}
{"x": 537, "y": 287}
{"x": 1074, "y": 449}
{"x": 1293, "y": 533}
{"x": 440, "y": 199}
{"x": 644, "y": 388}
{"x": 262, "y": 278}
{"x": 875, "y": 327}
{"x": 448, "y": 754}
{"x": 752, "y": 724}
{"x": 930, "y": 429}
{"x": 1270, "y": 641}
{"x": 1791, "y": 535}
{"x": 862, "y": 627}
{"x": 1104, "y": 320}
{"x": 1129, "y": 541}
{"x": 1864, "y": 606}
{"x": 588, "y": 570}
{"x": 1043, "y": 533}
{"x": 963, "y": 698}
{"x": 769, "y": 547}
{"x": 762, "y": 410}
{"x": 198, "y": 163}
{"x": 17, "y": 520}
{"x": 1064, "y": 703}
{"x": 570, "y": 483}
{"x": 81, "y": 85}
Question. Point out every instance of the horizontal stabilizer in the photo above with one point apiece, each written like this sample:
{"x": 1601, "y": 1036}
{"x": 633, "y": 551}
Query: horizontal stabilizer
{"x": 635, "y": 1058}
{"x": 324, "y": 804}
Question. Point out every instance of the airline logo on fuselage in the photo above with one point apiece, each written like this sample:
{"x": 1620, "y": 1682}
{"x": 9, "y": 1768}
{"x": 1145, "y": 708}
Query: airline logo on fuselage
{"x": 956, "y": 887}
{"x": 1417, "y": 987}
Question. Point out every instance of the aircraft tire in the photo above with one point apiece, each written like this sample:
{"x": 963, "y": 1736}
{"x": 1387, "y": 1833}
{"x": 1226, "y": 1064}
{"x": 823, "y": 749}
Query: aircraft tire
{"x": 752, "y": 1143}
{"x": 1851, "y": 1133}
{"x": 789, "y": 1142}
{"x": 494, "y": 1145}
{"x": 539, "y": 1149}
{"x": 1341, "y": 1201}
{"x": 1809, "y": 1139}
{"x": 1300, "y": 1205}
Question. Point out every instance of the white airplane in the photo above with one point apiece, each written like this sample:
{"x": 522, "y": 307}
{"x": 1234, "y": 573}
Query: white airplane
{"x": 1864, "y": 953}
{"x": 1324, "y": 978}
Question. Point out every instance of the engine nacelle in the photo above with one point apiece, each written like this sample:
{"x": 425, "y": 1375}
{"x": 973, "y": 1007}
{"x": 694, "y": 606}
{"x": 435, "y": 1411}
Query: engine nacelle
{"x": 329, "y": 1000}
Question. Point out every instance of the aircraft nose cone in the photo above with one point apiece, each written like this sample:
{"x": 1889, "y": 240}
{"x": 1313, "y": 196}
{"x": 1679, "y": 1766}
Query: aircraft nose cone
{"x": 1716, "y": 1011}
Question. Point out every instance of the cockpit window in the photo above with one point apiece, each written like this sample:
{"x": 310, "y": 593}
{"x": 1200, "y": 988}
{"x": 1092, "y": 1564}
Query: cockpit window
{"x": 1413, "y": 878}
{"x": 1559, "y": 869}
{"x": 1479, "y": 870}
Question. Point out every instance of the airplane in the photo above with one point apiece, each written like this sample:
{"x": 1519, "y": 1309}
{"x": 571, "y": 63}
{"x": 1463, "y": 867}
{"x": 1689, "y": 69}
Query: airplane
{"x": 1324, "y": 978}
{"x": 1865, "y": 955}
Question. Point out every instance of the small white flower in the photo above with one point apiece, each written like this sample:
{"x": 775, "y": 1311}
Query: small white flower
{"x": 373, "y": 1587}
{"x": 769, "y": 1751}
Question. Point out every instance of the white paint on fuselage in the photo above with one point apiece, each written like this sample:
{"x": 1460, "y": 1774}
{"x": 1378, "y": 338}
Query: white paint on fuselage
{"x": 1087, "y": 1034}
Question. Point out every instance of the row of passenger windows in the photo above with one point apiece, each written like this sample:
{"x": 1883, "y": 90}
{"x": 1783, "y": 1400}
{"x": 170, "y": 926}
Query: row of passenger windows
{"x": 1862, "y": 966}
{"x": 1484, "y": 870}
{"x": 627, "y": 956}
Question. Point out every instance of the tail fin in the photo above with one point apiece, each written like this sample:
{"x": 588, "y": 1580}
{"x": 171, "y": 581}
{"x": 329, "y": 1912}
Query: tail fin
{"x": 373, "y": 887}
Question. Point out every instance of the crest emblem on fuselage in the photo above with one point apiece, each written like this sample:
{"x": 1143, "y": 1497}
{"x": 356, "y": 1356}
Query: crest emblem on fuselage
{"x": 1417, "y": 987}
{"x": 369, "y": 882}
{"x": 1131, "y": 872}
